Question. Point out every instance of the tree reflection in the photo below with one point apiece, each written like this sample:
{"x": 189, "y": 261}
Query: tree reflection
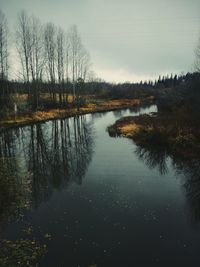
{"x": 153, "y": 158}
{"x": 189, "y": 169}
{"x": 59, "y": 154}
{"x": 119, "y": 112}
{"x": 14, "y": 191}
{"x": 7, "y": 140}
{"x": 51, "y": 155}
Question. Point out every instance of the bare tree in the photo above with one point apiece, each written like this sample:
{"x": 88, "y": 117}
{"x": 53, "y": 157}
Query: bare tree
{"x": 67, "y": 53}
{"x": 30, "y": 50}
{"x": 36, "y": 58}
{"x": 83, "y": 63}
{"x": 60, "y": 63}
{"x": 67, "y": 63}
{"x": 80, "y": 60}
{"x": 4, "y": 92}
{"x": 36, "y": 51}
{"x": 75, "y": 43}
{"x": 24, "y": 44}
{"x": 50, "y": 56}
{"x": 3, "y": 47}
{"x": 45, "y": 52}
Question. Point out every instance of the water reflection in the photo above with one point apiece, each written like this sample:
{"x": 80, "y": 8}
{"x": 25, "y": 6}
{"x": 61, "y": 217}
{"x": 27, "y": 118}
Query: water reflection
{"x": 189, "y": 169}
{"x": 99, "y": 114}
{"x": 119, "y": 113}
{"x": 15, "y": 191}
{"x": 142, "y": 109}
{"x": 153, "y": 158}
{"x": 36, "y": 160}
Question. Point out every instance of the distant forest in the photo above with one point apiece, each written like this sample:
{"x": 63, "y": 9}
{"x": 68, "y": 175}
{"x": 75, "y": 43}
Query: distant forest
{"x": 102, "y": 88}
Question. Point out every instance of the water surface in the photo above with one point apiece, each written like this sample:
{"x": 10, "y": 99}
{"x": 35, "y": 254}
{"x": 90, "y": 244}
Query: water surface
{"x": 101, "y": 200}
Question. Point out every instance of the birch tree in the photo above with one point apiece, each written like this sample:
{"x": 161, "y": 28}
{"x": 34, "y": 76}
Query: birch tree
{"x": 36, "y": 58}
{"x": 50, "y": 56}
{"x": 74, "y": 40}
{"x": 30, "y": 50}
{"x": 60, "y": 63}
{"x": 24, "y": 44}
{"x": 36, "y": 51}
{"x": 79, "y": 58}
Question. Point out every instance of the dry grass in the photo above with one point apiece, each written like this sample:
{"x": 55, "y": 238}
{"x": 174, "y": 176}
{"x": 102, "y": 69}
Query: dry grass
{"x": 45, "y": 96}
{"x": 122, "y": 102}
{"x": 38, "y": 116}
{"x": 126, "y": 126}
{"x": 19, "y": 97}
{"x": 178, "y": 132}
{"x": 128, "y": 129}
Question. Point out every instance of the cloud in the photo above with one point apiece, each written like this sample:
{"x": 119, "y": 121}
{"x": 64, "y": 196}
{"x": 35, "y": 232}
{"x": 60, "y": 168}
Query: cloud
{"x": 120, "y": 75}
{"x": 129, "y": 39}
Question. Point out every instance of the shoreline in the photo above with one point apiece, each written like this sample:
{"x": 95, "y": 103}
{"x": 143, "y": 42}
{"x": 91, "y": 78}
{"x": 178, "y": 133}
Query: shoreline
{"x": 53, "y": 114}
{"x": 158, "y": 132}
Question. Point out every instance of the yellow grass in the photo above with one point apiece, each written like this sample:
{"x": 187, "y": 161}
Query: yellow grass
{"x": 39, "y": 116}
{"x": 128, "y": 129}
{"x": 23, "y": 97}
{"x": 121, "y": 102}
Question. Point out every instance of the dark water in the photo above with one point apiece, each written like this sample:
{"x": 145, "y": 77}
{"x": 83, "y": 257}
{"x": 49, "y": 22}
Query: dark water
{"x": 101, "y": 200}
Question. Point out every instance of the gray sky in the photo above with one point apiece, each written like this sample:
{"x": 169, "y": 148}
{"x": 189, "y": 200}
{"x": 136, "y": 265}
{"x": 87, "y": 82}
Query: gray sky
{"x": 128, "y": 40}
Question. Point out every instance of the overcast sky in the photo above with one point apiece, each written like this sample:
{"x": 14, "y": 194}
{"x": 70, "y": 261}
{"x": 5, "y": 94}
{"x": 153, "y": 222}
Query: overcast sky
{"x": 128, "y": 40}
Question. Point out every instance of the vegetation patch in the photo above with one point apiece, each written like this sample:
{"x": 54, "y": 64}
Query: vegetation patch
{"x": 15, "y": 192}
{"x": 177, "y": 132}
{"x": 22, "y": 252}
{"x": 92, "y": 107}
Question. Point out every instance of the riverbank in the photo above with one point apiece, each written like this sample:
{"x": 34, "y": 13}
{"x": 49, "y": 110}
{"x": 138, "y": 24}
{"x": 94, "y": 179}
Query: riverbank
{"x": 101, "y": 106}
{"x": 175, "y": 132}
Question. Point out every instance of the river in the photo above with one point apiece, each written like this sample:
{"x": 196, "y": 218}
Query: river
{"x": 96, "y": 200}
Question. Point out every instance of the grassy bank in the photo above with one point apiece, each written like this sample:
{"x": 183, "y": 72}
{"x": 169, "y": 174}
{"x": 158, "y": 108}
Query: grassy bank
{"x": 97, "y": 106}
{"x": 176, "y": 132}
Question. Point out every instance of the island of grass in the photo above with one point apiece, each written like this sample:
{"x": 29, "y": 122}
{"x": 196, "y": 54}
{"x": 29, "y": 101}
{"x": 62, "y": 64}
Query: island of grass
{"x": 176, "y": 132}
